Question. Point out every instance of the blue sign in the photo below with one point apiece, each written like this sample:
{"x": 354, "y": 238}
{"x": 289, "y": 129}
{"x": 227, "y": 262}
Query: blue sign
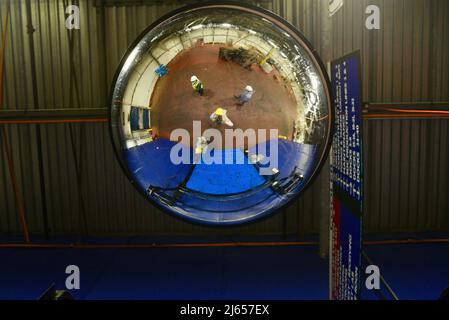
{"x": 347, "y": 179}
{"x": 161, "y": 70}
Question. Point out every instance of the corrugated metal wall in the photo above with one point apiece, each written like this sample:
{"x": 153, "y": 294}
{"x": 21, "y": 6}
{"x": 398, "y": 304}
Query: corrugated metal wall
{"x": 406, "y": 161}
{"x": 404, "y": 61}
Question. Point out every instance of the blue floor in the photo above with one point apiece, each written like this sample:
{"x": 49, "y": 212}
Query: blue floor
{"x": 201, "y": 273}
{"x": 204, "y": 185}
{"x": 414, "y": 271}
{"x": 291, "y": 156}
{"x": 150, "y": 165}
{"x": 225, "y": 178}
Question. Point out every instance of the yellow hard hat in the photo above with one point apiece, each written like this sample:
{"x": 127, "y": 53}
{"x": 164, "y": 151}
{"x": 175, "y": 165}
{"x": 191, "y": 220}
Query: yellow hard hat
{"x": 219, "y": 112}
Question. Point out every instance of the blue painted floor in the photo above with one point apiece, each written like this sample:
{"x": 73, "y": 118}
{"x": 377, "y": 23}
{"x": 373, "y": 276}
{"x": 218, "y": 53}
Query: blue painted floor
{"x": 414, "y": 271}
{"x": 225, "y": 178}
{"x": 194, "y": 273}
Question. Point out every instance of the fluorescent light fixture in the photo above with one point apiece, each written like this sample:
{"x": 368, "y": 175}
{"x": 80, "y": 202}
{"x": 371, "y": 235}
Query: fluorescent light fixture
{"x": 226, "y": 25}
{"x": 272, "y": 43}
{"x": 198, "y": 26}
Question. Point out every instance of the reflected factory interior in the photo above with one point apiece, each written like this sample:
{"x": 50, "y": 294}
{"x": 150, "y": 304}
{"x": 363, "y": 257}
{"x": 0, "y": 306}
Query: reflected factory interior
{"x": 221, "y": 67}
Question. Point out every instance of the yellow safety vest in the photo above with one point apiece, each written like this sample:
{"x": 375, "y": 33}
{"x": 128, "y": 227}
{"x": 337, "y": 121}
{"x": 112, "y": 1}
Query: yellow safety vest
{"x": 197, "y": 85}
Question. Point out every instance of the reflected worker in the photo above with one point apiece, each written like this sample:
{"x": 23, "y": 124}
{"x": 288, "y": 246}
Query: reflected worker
{"x": 201, "y": 145}
{"x": 197, "y": 85}
{"x": 219, "y": 116}
{"x": 245, "y": 96}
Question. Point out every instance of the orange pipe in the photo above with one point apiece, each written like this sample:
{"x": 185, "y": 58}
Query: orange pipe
{"x": 416, "y": 111}
{"x": 406, "y": 241}
{"x": 399, "y": 116}
{"x": 404, "y": 113}
{"x": 205, "y": 245}
{"x": 168, "y": 245}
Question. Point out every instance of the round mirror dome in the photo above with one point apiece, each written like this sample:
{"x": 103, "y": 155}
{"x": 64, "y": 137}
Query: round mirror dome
{"x": 221, "y": 113}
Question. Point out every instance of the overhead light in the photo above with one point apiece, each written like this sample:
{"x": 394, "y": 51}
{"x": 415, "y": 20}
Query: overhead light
{"x": 198, "y": 26}
{"x": 226, "y": 25}
{"x": 272, "y": 43}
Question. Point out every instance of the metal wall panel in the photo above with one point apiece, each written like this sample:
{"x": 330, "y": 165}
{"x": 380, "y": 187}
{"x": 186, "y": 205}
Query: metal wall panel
{"x": 405, "y": 160}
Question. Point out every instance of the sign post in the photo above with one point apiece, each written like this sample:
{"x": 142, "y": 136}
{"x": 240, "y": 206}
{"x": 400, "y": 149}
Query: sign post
{"x": 346, "y": 180}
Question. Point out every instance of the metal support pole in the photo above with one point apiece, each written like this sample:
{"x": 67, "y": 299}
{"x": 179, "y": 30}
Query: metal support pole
{"x": 325, "y": 53}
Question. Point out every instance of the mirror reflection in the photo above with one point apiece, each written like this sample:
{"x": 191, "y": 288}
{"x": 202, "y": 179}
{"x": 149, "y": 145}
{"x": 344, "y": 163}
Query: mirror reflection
{"x": 221, "y": 114}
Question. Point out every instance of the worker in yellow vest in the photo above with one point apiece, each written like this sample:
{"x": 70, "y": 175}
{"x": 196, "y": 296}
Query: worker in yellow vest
{"x": 197, "y": 85}
{"x": 220, "y": 116}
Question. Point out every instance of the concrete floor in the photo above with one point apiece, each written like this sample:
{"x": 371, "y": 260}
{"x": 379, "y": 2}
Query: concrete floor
{"x": 175, "y": 105}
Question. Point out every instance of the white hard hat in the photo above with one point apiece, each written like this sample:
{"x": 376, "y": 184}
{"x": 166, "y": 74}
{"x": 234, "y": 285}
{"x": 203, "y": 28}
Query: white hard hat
{"x": 249, "y": 88}
{"x": 193, "y": 78}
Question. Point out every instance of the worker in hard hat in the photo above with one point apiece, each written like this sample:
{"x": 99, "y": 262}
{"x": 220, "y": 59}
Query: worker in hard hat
{"x": 219, "y": 116}
{"x": 201, "y": 145}
{"x": 245, "y": 96}
{"x": 197, "y": 85}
